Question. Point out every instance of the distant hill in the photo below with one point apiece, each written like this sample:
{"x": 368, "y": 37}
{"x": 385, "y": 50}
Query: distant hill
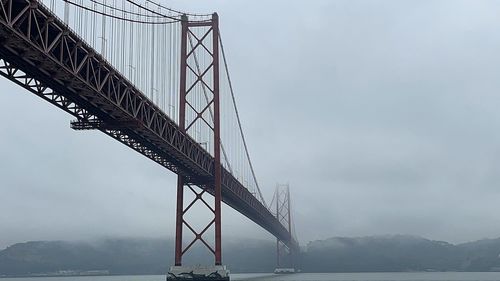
{"x": 482, "y": 255}
{"x": 126, "y": 256}
{"x": 399, "y": 253}
{"x": 338, "y": 254}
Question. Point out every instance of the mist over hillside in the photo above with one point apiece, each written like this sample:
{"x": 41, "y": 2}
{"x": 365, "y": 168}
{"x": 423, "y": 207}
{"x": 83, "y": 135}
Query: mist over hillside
{"x": 399, "y": 253}
{"x": 127, "y": 256}
{"x": 338, "y": 254}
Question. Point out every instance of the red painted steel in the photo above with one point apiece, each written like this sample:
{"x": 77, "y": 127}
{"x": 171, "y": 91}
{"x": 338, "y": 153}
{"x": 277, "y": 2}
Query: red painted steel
{"x": 284, "y": 253}
{"x": 182, "y": 127}
{"x": 217, "y": 145}
{"x": 211, "y": 29}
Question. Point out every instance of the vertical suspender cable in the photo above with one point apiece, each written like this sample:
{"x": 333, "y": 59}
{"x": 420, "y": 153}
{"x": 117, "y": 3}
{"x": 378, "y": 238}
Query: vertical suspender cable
{"x": 103, "y": 34}
{"x": 152, "y": 62}
{"x": 92, "y": 35}
{"x": 66, "y": 13}
{"x": 239, "y": 121}
{"x": 131, "y": 63}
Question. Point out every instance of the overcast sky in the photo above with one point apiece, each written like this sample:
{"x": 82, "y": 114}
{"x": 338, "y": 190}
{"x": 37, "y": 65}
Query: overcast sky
{"x": 384, "y": 117}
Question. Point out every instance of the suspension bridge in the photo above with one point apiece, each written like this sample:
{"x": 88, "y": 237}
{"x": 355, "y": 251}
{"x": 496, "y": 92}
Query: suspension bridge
{"x": 157, "y": 80}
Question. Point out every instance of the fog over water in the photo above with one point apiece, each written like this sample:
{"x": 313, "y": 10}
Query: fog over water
{"x": 382, "y": 115}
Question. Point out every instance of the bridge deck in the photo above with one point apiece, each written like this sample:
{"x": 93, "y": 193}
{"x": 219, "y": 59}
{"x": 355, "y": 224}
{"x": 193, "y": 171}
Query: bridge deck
{"x": 40, "y": 53}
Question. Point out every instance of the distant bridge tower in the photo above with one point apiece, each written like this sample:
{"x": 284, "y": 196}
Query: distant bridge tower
{"x": 285, "y": 255}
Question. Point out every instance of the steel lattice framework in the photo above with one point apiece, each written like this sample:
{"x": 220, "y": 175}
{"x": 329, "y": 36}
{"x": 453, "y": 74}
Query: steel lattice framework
{"x": 284, "y": 252}
{"x": 201, "y": 78}
{"x": 39, "y": 52}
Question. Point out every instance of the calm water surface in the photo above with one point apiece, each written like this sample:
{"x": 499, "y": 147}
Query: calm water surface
{"x": 417, "y": 276}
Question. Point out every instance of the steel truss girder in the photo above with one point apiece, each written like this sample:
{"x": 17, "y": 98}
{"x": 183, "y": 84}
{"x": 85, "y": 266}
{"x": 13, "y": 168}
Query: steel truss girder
{"x": 40, "y": 53}
{"x": 36, "y": 87}
{"x": 70, "y": 67}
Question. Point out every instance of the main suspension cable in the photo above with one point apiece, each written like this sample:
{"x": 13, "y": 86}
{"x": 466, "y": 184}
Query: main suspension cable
{"x": 123, "y": 11}
{"x": 176, "y": 11}
{"x": 152, "y": 11}
{"x": 239, "y": 121}
{"x": 119, "y": 18}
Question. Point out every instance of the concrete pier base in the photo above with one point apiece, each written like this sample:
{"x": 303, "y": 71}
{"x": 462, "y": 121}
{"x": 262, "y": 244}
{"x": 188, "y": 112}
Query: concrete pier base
{"x": 198, "y": 273}
{"x": 284, "y": 270}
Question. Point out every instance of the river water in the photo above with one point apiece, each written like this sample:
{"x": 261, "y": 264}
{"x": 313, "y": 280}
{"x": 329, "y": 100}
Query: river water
{"x": 416, "y": 276}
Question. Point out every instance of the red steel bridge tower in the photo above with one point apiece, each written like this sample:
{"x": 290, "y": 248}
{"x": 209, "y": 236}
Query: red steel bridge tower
{"x": 286, "y": 256}
{"x": 203, "y": 37}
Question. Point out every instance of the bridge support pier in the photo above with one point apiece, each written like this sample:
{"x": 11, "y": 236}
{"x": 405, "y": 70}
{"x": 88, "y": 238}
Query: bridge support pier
{"x": 198, "y": 273}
